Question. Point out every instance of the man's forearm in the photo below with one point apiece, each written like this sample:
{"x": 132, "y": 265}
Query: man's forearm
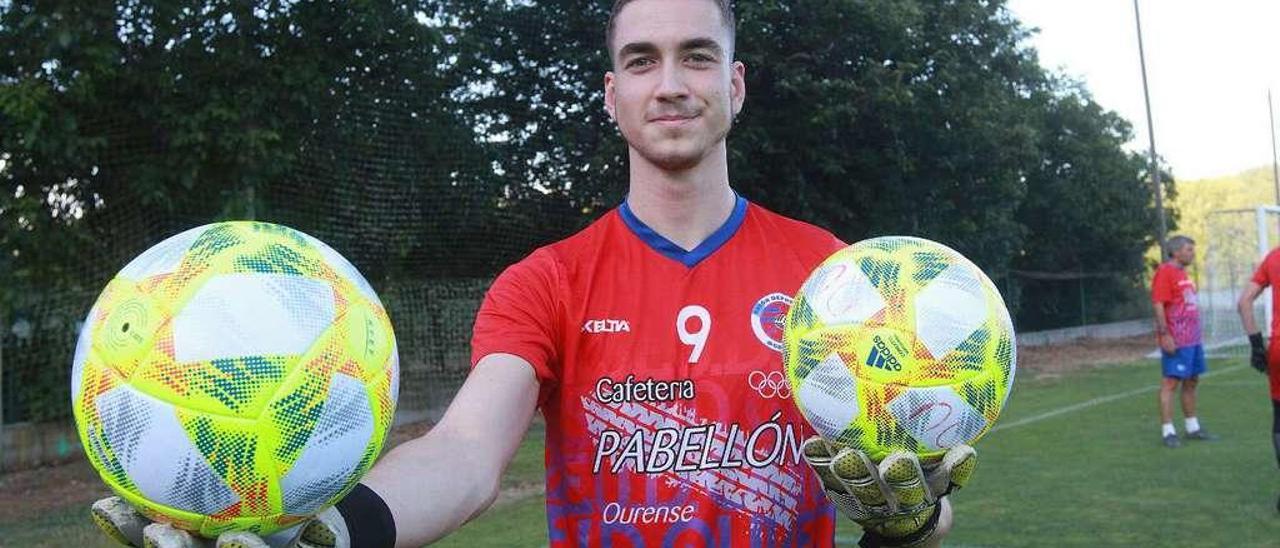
{"x": 432, "y": 486}
{"x": 1162, "y": 328}
{"x": 1246, "y": 317}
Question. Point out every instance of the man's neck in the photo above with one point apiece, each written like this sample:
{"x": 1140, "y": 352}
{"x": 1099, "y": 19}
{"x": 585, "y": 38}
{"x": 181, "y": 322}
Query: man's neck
{"x": 685, "y": 207}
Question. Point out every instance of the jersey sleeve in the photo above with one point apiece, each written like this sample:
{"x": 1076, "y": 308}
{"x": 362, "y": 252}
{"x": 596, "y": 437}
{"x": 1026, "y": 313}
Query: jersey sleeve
{"x": 1261, "y": 276}
{"x": 833, "y": 244}
{"x": 1162, "y": 290}
{"x": 825, "y": 245}
{"x": 520, "y": 315}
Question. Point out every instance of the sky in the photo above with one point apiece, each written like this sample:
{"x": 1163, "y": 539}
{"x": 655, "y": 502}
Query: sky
{"x": 1209, "y": 65}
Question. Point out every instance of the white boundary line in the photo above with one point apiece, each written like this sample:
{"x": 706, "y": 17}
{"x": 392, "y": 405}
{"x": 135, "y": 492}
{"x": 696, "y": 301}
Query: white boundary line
{"x": 1097, "y": 401}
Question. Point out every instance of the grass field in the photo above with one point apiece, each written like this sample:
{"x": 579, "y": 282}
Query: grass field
{"x": 1075, "y": 461}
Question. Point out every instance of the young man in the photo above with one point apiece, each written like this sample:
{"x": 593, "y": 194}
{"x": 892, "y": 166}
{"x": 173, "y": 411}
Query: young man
{"x": 1265, "y": 360}
{"x": 1173, "y": 295}
{"x": 637, "y": 338}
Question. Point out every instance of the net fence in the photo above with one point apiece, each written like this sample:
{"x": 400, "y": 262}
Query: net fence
{"x": 374, "y": 180}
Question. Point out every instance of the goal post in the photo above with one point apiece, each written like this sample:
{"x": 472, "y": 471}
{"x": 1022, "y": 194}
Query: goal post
{"x": 1236, "y": 240}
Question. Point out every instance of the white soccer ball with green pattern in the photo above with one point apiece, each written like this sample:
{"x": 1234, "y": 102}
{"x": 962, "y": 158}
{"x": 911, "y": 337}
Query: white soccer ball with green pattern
{"x": 899, "y": 344}
{"x": 238, "y": 375}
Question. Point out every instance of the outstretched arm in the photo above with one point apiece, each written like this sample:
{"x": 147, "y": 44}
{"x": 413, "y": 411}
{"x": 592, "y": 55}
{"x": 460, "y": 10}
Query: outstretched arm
{"x": 430, "y": 485}
{"x": 438, "y": 482}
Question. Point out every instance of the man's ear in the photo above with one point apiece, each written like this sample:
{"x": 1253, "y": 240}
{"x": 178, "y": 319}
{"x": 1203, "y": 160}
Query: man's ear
{"x": 608, "y": 95}
{"x": 738, "y": 86}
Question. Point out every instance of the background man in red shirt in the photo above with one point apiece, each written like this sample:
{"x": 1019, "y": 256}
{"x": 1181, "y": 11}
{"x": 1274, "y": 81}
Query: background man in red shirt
{"x": 1173, "y": 296}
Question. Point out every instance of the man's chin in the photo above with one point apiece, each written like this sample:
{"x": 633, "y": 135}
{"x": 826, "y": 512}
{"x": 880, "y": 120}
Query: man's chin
{"x": 675, "y": 159}
{"x": 675, "y": 162}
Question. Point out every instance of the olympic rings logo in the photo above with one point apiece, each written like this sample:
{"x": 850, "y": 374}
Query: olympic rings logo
{"x": 769, "y": 385}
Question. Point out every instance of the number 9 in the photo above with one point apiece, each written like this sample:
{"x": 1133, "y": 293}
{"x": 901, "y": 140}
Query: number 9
{"x": 696, "y": 339}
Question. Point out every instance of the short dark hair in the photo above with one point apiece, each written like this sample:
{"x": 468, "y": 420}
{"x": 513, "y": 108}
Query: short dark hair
{"x": 1176, "y": 243}
{"x": 726, "y": 16}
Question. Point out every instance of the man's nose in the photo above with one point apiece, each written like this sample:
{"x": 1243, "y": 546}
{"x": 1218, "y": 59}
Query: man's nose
{"x": 673, "y": 84}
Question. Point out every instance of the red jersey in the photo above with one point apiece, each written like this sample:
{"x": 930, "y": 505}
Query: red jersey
{"x": 1172, "y": 287}
{"x": 669, "y": 420}
{"x": 1267, "y": 275}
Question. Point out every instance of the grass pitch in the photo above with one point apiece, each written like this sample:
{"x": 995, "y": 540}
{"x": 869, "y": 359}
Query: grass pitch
{"x": 1076, "y": 460}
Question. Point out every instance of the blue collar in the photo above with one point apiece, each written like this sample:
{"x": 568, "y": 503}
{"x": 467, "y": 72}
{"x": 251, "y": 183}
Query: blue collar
{"x": 674, "y": 252}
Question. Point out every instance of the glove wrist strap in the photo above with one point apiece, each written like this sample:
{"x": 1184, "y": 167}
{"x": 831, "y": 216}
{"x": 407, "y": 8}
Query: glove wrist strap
{"x": 1255, "y": 340}
{"x": 871, "y": 539}
{"x": 368, "y": 519}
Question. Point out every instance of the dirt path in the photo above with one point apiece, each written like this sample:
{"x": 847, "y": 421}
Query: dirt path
{"x": 1081, "y": 354}
{"x": 25, "y": 494}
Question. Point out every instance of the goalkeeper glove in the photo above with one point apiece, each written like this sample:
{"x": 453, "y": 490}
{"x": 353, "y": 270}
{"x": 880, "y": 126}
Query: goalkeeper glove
{"x": 1257, "y": 353}
{"x": 897, "y": 503}
{"x": 125, "y": 525}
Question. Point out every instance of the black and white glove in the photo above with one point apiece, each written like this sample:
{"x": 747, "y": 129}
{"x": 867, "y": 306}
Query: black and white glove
{"x": 897, "y": 502}
{"x": 125, "y": 525}
{"x": 1257, "y": 352}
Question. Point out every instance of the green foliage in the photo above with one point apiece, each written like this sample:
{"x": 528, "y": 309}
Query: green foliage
{"x": 1196, "y": 199}
{"x": 122, "y": 123}
{"x": 162, "y": 115}
{"x": 886, "y": 117}
{"x": 867, "y": 117}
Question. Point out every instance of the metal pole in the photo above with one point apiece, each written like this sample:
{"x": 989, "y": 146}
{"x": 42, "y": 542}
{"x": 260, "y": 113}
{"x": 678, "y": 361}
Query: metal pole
{"x": 1084, "y": 316}
{"x": 1151, "y": 134}
{"x": 1275, "y": 171}
{"x": 4, "y": 328}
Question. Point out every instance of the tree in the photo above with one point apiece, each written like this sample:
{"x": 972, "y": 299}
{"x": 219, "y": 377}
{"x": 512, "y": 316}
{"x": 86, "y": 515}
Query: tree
{"x": 884, "y": 117}
{"x": 123, "y": 122}
{"x": 436, "y": 138}
{"x": 1089, "y": 214}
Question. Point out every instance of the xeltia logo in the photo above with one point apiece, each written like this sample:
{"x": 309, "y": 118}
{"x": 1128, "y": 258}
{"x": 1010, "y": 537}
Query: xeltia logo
{"x": 606, "y": 326}
{"x": 881, "y": 357}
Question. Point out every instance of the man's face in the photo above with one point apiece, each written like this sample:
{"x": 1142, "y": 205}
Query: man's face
{"x": 1186, "y": 255}
{"x": 674, "y": 89}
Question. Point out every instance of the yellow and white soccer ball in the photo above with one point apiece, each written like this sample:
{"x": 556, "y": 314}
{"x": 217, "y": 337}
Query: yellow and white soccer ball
{"x": 899, "y": 344}
{"x": 239, "y": 375}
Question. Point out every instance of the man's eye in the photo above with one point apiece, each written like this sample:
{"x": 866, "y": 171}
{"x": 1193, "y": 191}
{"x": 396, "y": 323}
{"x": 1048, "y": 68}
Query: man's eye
{"x": 639, "y": 62}
{"x": 701, "y": 58}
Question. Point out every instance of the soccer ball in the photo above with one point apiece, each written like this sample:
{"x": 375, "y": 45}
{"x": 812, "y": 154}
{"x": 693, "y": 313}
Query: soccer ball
{"x": 899, "y": 344}
{"x": 236, "y": 376}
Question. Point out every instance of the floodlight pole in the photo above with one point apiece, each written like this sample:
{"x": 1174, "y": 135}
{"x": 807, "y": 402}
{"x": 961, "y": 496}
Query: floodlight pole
{"x": 1151, "y": 134}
